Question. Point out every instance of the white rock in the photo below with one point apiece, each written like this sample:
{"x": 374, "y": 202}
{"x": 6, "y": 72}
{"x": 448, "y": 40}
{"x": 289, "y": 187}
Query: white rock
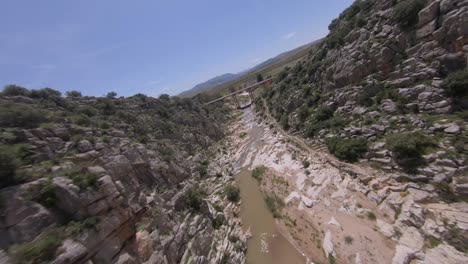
{"x": 385, "y": 228}
{"x": 328, "y": 244}
{"x": 333, "y": 222}
{"x": 445, "y": 254}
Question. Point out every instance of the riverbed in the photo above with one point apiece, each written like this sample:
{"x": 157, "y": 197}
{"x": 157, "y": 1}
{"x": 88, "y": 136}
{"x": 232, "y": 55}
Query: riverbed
{"x": 267, "y": 244}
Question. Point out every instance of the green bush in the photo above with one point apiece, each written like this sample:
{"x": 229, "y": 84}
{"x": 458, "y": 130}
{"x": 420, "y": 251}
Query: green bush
{"x": 306, "y": 164}
{"x": 274, "y": 204}
{"x": 194, "y": 198}
{"x": 45, "y": 93}
{"x": 456, "y": 83}
{"x": 284, "y": 122}
{"x": 111, "y": 95}
{"x": 47, "y": 195}
{"x": 80, "y": 178}
{"x": 232, "y": 193}
{"x": 371, "y": 216}
{"x": 73, "y": 93}
{"x": 20, "y": 116}
{"x": 40, "y": 250}
{"x": 347, "y": 149}
{"x": 14, "y": 90}
{"x": 7, "y": 170}
{"x": 405, "y": 13}
{"x": 323, "y": 113}
{"x": 458, "y": 238}
{"x": 408, "y": 148}
{"x": 258, "y": 173}
{"x": 334, "y": 123}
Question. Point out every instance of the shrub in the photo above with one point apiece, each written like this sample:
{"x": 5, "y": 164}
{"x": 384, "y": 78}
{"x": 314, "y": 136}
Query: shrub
{"x": 20, "y": 116}
{"x": 45, "y": 93}
{"x": 111, "y": 95}
{"x": 82, "y": 120}
{"x": 274, "y": 204}
{"x": 458, "y": 238}
{"x": 347, "y": 149}
{"x": 323, "y": 113}
{"x": 258, "y": 173}
{"x": 445, "y": 191}
{"x": 217, "y": 222}
{"x": 407, "y": 149}
{"x": 232, "y": 193}
{"x": 371, "y": 216}
{"x": 73, "y": 93}
{"x": 165, "y": 97}
{"x": 432, "y": 242}
{"x": 405, "y": 13}
{"x": 40, "y": 250}
{"x": 76, "y": 227}
{"x": 194, "y": 198}
{"x": 7, "y": 170}
{"x": 303, "y": 113}
{"x": 455, "y": 84}
{"x": 14, "y": 90}
{"x": 348, "y": 240}
{"x": 80, "y": 178}
{"x": 306, "y": 164}
{"x": 284, "y": 122}
{"x": 365, "y": 96}
{"x": 334, "y": 123}
{"x": 47, "y": 195}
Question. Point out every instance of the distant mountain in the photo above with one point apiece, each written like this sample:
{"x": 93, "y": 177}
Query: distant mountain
{"x": 213, "y": 82}
{"x": 265, "y": 67}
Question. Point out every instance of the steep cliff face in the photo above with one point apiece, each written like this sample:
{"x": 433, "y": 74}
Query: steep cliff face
{"x": 386, "y": 70}
{"x": 112, "y": 180}
{"x": 387, "y": 88}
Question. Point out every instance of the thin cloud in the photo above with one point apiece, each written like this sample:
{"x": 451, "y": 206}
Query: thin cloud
{"x": 289, "y": 35}
{"x": 150, "y": 83}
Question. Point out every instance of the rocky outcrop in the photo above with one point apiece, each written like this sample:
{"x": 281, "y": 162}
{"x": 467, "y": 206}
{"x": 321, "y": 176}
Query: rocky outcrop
{"x": 98, "y": 194}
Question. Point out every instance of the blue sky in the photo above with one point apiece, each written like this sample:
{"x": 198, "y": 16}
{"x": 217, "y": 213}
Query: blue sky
{"x": 149, "y": 46}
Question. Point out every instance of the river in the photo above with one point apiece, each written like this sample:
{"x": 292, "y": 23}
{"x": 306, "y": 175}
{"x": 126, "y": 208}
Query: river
{"x": 267, "y": 245}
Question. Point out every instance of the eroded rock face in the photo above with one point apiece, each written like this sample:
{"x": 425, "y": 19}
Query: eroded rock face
{"x": 103, "y": 197}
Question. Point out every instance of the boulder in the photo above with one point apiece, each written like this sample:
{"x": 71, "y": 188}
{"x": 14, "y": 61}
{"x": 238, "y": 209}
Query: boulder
{"x": 389, "y": 106}
{"x": 446, "y": 254}
{"x": 85, "y": 146}
{"x": 70, "y": 252}
{"x": 328, "y": 244}
{"x": 429, "y": 13}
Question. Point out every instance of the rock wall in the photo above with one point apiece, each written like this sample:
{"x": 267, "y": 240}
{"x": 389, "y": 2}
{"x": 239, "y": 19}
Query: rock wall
{"x": 97, "y": 195}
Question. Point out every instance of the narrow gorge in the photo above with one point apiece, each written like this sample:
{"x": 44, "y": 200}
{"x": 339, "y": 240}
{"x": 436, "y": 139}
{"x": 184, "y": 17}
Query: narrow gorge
{"x": 355, "y": 152}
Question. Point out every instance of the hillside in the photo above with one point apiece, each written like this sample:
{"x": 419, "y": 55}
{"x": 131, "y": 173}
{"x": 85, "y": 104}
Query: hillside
{"x": 357, "y": 152}
{"x": 268, "y": 67}
{"x": 210, "y": 84}
{"x": 91, "y": 179}
{"x": 387, "y": 88}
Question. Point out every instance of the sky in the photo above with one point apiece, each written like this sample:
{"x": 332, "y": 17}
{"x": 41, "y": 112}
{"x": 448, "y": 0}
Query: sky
{"x": 149, "y": 46}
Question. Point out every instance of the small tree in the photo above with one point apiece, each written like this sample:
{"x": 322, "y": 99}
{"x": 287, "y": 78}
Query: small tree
{"x": 259, "y": 77}
{"x": 73, "y": 93}
{"x": 14, "y": 90}
{"x": 7, "y": 170}
{"x": 406, "y": 12}
{"x": 164, "y": 97}
{"x": 111, "y": 95}
{"x": 232, "y": 193}
{"x": 408, "y": 148}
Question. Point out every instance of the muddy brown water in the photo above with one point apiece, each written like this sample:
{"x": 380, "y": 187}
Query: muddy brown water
{"x": 267, "y": 245}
